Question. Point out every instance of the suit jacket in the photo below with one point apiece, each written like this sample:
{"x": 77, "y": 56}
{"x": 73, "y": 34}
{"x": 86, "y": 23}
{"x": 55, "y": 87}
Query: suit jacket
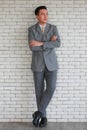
{"x": 44, "y": 55}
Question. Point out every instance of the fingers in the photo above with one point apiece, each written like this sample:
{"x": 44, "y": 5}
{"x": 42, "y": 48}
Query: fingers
{"x": 31, "y": 43}
{"x": 35, "y": 43}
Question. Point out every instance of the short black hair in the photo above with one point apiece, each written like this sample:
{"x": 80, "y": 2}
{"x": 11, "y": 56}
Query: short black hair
{"x": 38, "y": 9}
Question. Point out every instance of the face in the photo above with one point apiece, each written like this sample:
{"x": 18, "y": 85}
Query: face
{"x": 42, "y": 16}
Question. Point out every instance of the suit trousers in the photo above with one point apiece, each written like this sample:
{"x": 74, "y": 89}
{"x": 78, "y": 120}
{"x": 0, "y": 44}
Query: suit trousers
{"x": 45, "y": 84}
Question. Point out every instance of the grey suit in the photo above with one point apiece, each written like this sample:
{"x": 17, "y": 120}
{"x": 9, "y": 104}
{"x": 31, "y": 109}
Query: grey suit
{"x": 44, "y": 55}
{"x": 44, "y": 63}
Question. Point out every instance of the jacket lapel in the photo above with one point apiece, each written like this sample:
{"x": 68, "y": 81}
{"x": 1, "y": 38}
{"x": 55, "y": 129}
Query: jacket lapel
{"x": 38, "y": 29}
{"x": 47, "y": 28}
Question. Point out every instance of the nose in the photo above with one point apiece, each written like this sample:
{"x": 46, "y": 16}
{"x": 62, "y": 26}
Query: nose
{"x": 45, "y": 16}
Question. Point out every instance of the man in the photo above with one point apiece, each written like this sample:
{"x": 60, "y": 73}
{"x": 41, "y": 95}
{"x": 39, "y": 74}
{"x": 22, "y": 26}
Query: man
{"x": 43, "y": 39}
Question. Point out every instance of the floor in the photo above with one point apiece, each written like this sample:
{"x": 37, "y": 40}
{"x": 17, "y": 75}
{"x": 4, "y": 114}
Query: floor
{"x": 50, "y": 126}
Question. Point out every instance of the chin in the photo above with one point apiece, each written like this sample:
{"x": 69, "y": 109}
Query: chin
{"x": 45, "y": 22}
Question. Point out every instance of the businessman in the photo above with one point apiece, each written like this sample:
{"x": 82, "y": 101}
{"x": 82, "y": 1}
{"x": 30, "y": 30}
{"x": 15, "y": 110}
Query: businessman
{"x": 43, "y": 38}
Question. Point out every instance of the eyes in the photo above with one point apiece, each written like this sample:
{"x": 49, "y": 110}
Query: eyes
{"x": 45, "y": 13}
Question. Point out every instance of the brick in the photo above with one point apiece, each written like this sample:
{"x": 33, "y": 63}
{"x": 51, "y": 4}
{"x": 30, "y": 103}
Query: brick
{"x": 17, "y": 91}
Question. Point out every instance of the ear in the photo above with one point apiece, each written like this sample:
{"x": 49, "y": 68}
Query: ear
{"x": 36, "y": 16}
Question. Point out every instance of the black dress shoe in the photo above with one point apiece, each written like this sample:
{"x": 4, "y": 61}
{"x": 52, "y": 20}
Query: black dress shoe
{"x": 43, "y": 122}
{"x": 33, "y": 115}
{"x": 37, "y": 116}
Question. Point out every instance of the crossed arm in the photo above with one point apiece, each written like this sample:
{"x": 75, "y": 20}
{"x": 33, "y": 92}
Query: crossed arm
{"x": 37, "y": 43}
{"x": 40, "y": 46}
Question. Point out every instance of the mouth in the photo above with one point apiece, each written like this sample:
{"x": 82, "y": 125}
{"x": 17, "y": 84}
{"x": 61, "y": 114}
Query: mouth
{"x": 45, "y": 19}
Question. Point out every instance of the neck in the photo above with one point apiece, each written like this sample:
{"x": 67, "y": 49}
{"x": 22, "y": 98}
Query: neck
{"x": 42, "y": 24}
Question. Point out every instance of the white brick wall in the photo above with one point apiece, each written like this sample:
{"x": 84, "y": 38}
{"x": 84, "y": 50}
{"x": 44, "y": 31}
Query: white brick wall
{"x": 17, "y": 98}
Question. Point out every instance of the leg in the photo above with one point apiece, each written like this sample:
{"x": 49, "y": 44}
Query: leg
{"x": 39, "y": 86}
{"x": 50, "y": 77}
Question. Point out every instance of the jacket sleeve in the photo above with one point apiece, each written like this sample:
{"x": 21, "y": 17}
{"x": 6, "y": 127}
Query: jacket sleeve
{"x": 53, "y": 44}
{"x": 31, "y": 37}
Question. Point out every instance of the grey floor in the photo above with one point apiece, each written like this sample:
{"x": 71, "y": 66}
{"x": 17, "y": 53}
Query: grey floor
{"x": 50, "y": 126}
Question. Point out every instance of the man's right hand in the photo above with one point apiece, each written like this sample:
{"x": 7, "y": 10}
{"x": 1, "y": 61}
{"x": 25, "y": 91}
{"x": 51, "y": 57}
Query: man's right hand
{"x": 35, "y": 43}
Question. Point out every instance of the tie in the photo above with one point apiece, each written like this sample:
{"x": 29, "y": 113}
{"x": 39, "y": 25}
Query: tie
{"x": 43, "y": 29}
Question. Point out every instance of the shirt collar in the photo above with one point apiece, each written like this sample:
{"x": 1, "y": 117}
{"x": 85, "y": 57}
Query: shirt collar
{"x": 41, "y": 25}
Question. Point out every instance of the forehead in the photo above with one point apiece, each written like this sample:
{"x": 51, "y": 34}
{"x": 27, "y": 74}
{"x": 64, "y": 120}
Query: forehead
{"x": 43, "y": 11}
